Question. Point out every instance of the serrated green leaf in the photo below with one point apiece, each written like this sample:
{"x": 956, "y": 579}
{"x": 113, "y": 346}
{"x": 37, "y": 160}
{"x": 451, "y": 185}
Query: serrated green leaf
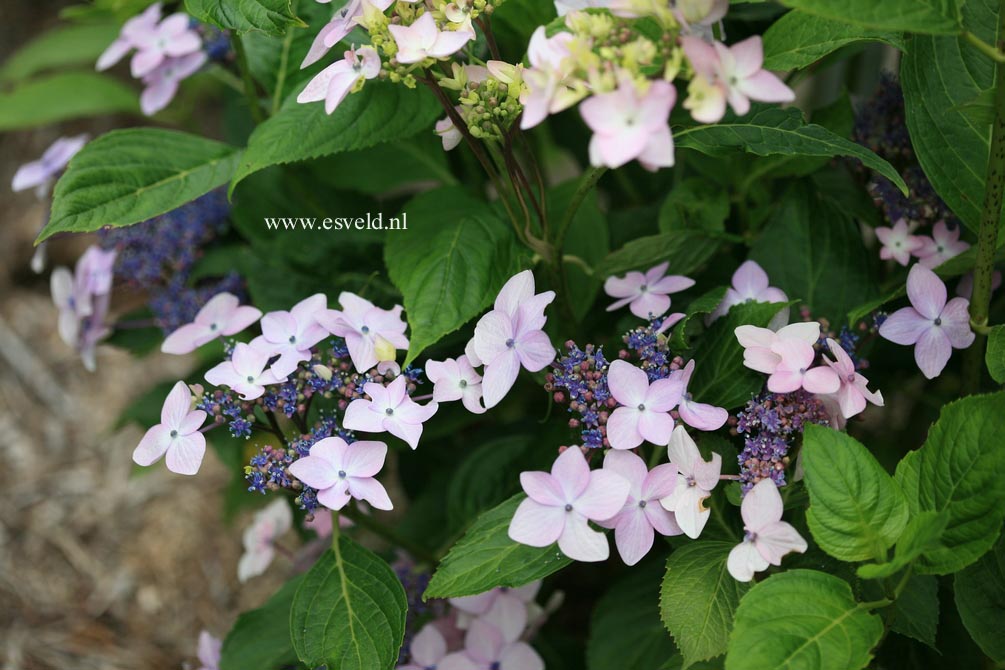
{"x": 486, "y": 477}
{"x": 274, "y": 17}
{"x": 381, "y": 112}
{"x": 915, "y": 16}
{"x": 922, "y": 533}
{"x": 260, "y": 638}
{"x": 772, "y": 131}
{"x": 349, "y": 611}
{"x": 698, "y": 599}
{"x": 980, "y": 599}
{"x": 625, "y": 628}
{"x": 960, "y": 469}
{"x": 720, "y": 378}
{"x": 916, "y": 610}
{"x": 450, "y": 264}
{"x": 703, "y": 304}
{"x": 128, "y": 176}
{"x": 857, "y": 510}
{"x": 486, "y": 558}
{"x": 58, "y": 48}
{"x": 694, "y": 204}
{"x": 799, "y": 39}
{"x": 995, "y": 355}
{"x": 64, "y": 96}
{"x": 685, "y": 250}
{"x": 802, "y": 619}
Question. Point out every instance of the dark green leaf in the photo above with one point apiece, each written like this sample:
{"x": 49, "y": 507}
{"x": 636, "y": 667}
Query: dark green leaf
{"x": 260, "y": 638}
{"x": 703, "y": 304}
{"x": 587, "y": 239}
{"x": 58, "y": 48}
{"x": 995, "y": 355}
{"x": 486, "y": 477}
{"x": 980, "y": 598}
{"x": 64, "y": 96}
{"x": 916, "y": 610}
{"x": 922, "y": 533}
{"x": 685, "y": 250}
{"x": 270, "y": 16}
{"x": 694, "y": 204}
{"x": 915, "y": 16}
{"x": 799, "y": 39}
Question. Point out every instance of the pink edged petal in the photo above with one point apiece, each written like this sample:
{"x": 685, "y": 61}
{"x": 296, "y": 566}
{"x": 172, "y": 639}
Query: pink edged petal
{"x": 278, "y": 327}
{"x": 956, "y": 323}
{"x": 744, "y": 560}
{"x": 499, "y": 378}
{"x": 905, "y": 326}
{"x": 472, "y": 399}
{"x": 409, "y": 432}
{"x": 706, "y": 473}
{"x": 664, "y": 394}
{"x": 627, "y": 383}
{"x": 822, "y": 380}
{"x": 483, "y": 641}
{"x": 932, "y": 352}
{"x": 761, "y": 360}
{"x": 777, "y": 539}
{"x": 535, "y": 351}
{"x": 762, "y": 506}
{"x": 113, "y": 54}
{"x": 318, "y": 47}
{"x": 152, "y": 446}
{"x": 807, "y": 331}
{"x": 753, "y": 336}
{"x": 449, "y": 42}
{"x": 656, "y": 427}
{"x": 662, "y": 520}
{"x": 572, "y": 473}
{"x": 580, "y": 542}
{"x": 537, "y": 525}
{"x": 253, "y": 563}
{"x": 659, "y": 482}
{"x": 428, "y": 646}
{"x": 509, "y": 616}
{"x": 624, "y": 287}
{"x": 478, "y": 604}
{"x": 604, "y": 496}
{"x": 186, "y": 339}
{"x": 766, "y": 87}
{"x": 223, "y": 374}
{"x": 682, "y": 451}
{"x": 702, "y": 416}
{"x": 926, "y": 291}
{"x": 459, "y": 660}
{"x": 183, "y": 44}
{"x": 518, "y": 289}
{"x": 623, "y": 428}
{"x": 361, "y": 351}
{"x": 145, "y": 62}
{"x": 370, "y": 490}
{"x": 530, "y": 316}
{"x": 703, "y": 57}
{"x": 192, "y": 422}
{"x": 335, "y": 497}
{"x": 176, "y": 406}
{"x": 784, "y": 381}
{"x": 650, "y": 304}
{"x": 749, "y": 56}
{"x": 314, "y": 471}
{"x": 672, "y": 284}
{"x": 360, "y": 416}
{"x": 631, "y": 467}
{"x": 750, "y": 279}
{"x": 338, "y": 89}
{"x": 185, "y": 454}
{"x": 520, "y": 656}
{"x": 543, "y": 488}
{"x": 492, "y": 332}
{"x": 656, "y": 273}
{"x": 690, "y": 511}
{"x": 850, "y": 400}
{"x": 633, "y": 536}
{"x": 364, "y": 458}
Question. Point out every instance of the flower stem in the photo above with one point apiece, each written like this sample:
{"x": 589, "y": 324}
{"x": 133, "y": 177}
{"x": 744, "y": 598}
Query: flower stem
{"x": 369, "y": 523}
{"x": 249, "y": 84}
{"x": 336, "y": 530}
{"x": 586, "y": 184}
{"x": 995, "y": 54}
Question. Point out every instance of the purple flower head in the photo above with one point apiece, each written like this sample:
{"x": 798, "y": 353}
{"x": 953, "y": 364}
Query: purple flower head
{"x": 176, "y": 438}
{"x": 767, "y": 538}
{"x": 644, "y": 412}
{"x": 339, "y": 471}
{"x": 647, "y": 295}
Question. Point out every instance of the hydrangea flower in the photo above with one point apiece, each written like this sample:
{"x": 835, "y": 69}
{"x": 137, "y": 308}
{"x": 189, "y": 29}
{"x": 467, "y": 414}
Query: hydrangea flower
{"x": 172, "y": 37}
{"x": 630, "y": 124}
{"x": 545, "y": 79}
{"x": 339, "y": 27}
{"x": 898, "y": 242}
{"x": 245, "y": 372}
{"x": 389, "y": 409}
{"x": 427, "y": 649}
{"x": 560, "y": 504}
{"x": 795, "y": 370}
{"x": 209, "y": 651}
{"x": 133, "y": 33}
{"x": 222, "y": 316}
{"x": 423, "y": 39}
{"x": 291, "y": 335}
{"x": 335, "y": 82}
{"x": 371, "y": 334}
{"x": 696, "y": 478}
{"x": 697, "y": 414}
{"x": 269, "y": 524}
{"x": 644, "y": 414}
{"x": 934, "y": 326}
{"x": 487, "y": 648}
{"x": 945, "y": 243}
{"x": 642, "y": 516}
{"x": 854, "y": 391}
{"x": 766, "y": 537}
{"x": 498, "y": 605}
{"x": 161, "y": 83}
{"x": 176, "y": 438}
{"x": 750, "y": 284}
{"x": 73, "y": 303}
{"x": 729, "y": 74}
{"x": 647, "y": 295}
{"x": 340, "y": 471}
{"x": 41, "y": 173}
{"x": 94, "y": 270}
{"x": 758, "y": 343}
{"x": 456, "y": 380}
{"x": 449, "y": 134}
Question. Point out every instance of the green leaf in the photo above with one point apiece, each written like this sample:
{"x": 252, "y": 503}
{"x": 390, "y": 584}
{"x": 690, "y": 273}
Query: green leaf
{"x": 588, "y": 239}
{"x": 274, "y": 17}
{"x": 696, "y": 204}
{"x": 704, "y": 304}
{"x": 802, "y": 619}
{"x": 260, "y": 638}
{"x": 922, "y": 533}
{"x": 995, "y": 355}
{"x": 980, "y": 599}
{"x": 857, "y": 510}
{"x": 685, "y": 250}
{"x": 799, "y": 39}
{"x": 772, "y": 131}
{"x": 486, "y": 558}
{"x": 128, "y": 176}
{"x": 381, "y": 112}
{"x": 960, "y": 469}
{"x": 60, "y": 47}
{"x": 400, "y": 167}
{"x": 349, "y": 612}
{"x": 720, "y": 378}
{"x": 815, "y": 253}
{"x": 60, "y": 97}
{"x": 916, "y": 610}
{"x": 914, "y": 16}
{"x": 453, "y": 264}
{"x": 486, "y": 477}
{"x": 698, "y": 599}
{"x": 939, "y": 75}
{"x": 625, "y": 628}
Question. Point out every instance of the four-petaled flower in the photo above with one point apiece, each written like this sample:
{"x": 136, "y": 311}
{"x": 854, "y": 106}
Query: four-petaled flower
{"x": 898, "y": 242}
{"x": 559, "y": 506}
{"x": 697, "y": 414}
{"x": 371, "y": 334}
{"x": 171, "y": 38}
{"x": 245, "y": 372}
{"x": 456, "y": 380}
{"x": 260, "y": 537}
{"x": 335, "y": 82}
{"x": 341, "y": 471}
{"x": 487, "y": 648}
{"x": 630, "y": 124}
{"x": 427, "y": 649}
{"x": 423, "y": 39}
{"x": 933, "y": 325}
{"x": 39, "y": 174}
{"x": 945, "y": 243}
{"x": 758, "y": 343}
{"x": 766, "y": 537}
{"x": 696, "y": 478}
{"x": 290, "y": 335}
{"x": 647, "y": 295}
{"x": 391, "y": 410}
{"x": 176, "y": 438}
{"x": 795, "y": 370}
{"x": 222, "y": 316}
{"x": 339, "y": 27}
{"x": 644, "y": 414}
{"x": 854, "y": 391}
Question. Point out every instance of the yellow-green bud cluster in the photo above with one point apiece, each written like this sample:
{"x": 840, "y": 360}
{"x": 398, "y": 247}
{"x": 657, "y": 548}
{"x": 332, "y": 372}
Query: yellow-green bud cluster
{"x": 490, "y": 107}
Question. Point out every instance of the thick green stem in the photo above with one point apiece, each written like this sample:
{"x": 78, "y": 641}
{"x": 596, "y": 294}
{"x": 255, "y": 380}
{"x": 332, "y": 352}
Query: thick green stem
{"x": 369, "y": 523}
{"x": 336, "y": 530}
{"x": 254, "y": 105}
{"x": 991, "y": 52}
{"x": 994, "y": 185}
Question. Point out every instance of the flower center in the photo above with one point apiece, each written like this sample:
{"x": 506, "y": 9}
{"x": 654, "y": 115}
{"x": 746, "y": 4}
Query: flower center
{"x": 642, "y": 504}
{"x": 213, "y": 326}
{"x": 341, "y": 474}
{"x": 251, "y": 380}
{"x": 174, "y": 434}
{"x": 568, "y": 507}
{"x": 690, "y": 482}
{"x": 851, "y": 377}
{"x": 389, "y": 411}
{"x": 643, "y": 288}
{"x": 509, "y": 343}
{"x": 641, "y": 407}
{"x": 293, "y": 339}
{"x": 938, "y": 321}
{"x": 463, "y": 383}
{"x": 365, "y": 329}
